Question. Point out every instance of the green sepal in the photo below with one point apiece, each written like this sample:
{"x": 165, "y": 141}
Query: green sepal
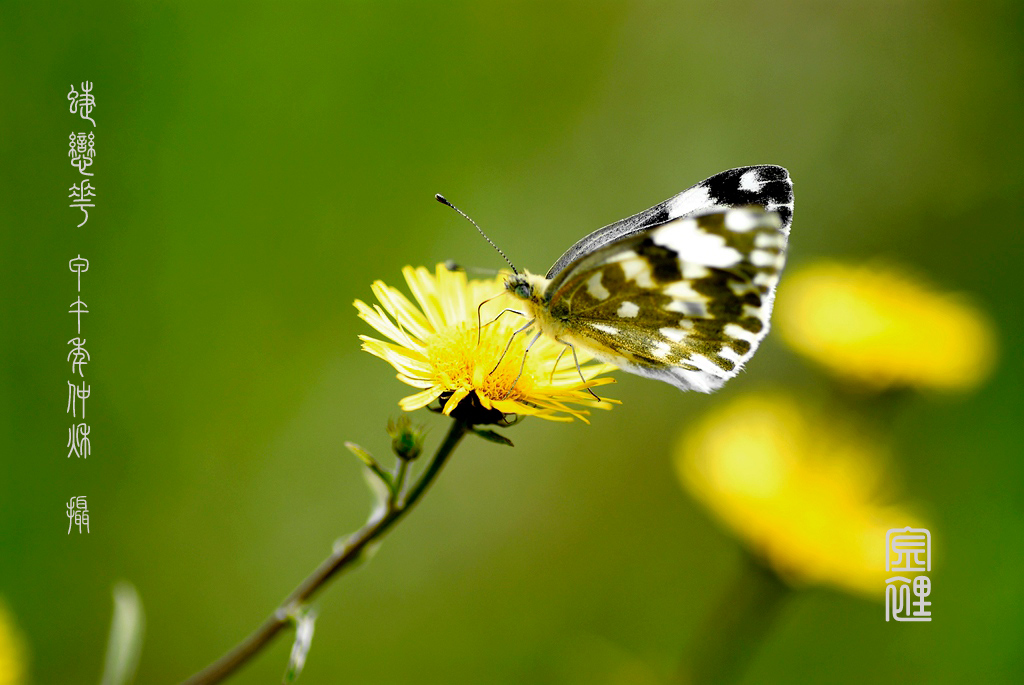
{"x": 492, "y": 436}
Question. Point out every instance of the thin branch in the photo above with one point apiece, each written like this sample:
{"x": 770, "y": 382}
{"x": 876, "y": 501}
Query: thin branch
{"x": 397, "y": 507}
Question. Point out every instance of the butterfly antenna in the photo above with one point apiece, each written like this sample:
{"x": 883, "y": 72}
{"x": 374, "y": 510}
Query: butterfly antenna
{"x": 440, "y": 198}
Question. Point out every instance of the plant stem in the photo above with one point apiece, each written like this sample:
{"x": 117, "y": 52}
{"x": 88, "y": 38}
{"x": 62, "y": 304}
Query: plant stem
{"x": 730, "y": 635}
{"x": 397, "y": 507}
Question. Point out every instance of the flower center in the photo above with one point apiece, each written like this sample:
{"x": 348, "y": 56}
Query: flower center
{"x": 459, "y": 362}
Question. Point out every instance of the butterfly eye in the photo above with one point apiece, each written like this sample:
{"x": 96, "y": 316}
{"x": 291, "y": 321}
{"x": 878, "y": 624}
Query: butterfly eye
{"x": 523, "y": 291}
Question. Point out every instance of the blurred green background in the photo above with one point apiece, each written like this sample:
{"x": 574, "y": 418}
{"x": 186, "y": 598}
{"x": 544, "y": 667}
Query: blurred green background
{"x": 258, "y": 165}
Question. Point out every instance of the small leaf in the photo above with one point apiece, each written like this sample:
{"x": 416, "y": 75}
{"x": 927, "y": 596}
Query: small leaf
{"x": 370, "y": 462}
{"x": 364, "y": 456}
{"x": 492, "y": 436}
{"x": 304, "y": 624}
{"x": 125, "y": 641}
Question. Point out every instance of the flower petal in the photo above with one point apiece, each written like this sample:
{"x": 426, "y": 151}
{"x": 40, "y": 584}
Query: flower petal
{"x": 452, "y": 292}
{"x": 376, "y": 317}
{"x": 420, "y": 399}
{"x": 403, "y": 359}
{"x": 416, "y": 382}
{"x": 454, "y": 400}
{"x": 423, "y": 289}
{"x": 402, "y": 310}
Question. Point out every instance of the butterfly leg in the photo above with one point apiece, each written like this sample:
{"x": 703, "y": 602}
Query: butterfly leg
{"x": 510, "y": 339}
{"x": 479, "y": 308}
{"x": 522, "y": 366}
{"x": 554, "y": 368}
{"x": 578, "y": 369}
{"x": 503, "y": 311}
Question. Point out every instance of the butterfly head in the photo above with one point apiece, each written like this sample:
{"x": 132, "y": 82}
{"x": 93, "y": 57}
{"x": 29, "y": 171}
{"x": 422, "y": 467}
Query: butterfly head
{"x": 525, "y": 286}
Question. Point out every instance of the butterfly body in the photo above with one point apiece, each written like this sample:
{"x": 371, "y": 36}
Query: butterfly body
{"x": 531, "y": 290}
{"x": 681, "y": 292}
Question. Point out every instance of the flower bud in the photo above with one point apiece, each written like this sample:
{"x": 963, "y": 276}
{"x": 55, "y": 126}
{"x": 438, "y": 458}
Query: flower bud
{"x": 406, "y": 438}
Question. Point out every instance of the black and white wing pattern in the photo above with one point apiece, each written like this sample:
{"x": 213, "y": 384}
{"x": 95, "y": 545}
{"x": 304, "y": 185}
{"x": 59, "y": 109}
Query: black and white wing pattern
{"x": 686, "y": 301}
{"x": 765, "y": 185}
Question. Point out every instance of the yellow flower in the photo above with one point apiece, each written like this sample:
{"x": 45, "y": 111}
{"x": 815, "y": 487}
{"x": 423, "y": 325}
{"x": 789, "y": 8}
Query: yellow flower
{"x": 801, "y": 489}
{"x": 880, "y": 327}
{"x": 12, "y": 651}
{"x": 434, "y": 347}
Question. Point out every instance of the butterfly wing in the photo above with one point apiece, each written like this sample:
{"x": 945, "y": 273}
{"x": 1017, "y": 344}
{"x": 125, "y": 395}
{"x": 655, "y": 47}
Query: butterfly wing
{"x": 764, "y": 185}
{"x": 686, "y": 302}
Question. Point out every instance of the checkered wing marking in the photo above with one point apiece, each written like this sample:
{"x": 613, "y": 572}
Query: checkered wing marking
{"x": 763, "y": 185}
{"x": 686, "y": 302}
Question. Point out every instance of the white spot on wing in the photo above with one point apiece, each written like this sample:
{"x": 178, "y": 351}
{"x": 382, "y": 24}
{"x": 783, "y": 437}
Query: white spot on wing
{"x": 773, "y": 219}
{"x": 740, "y": 220}
{"x": 673, "y": 334}
{"x": 610, "y": 330}
{"x": 730, "y": 354}
{"x": 705, "y": 364}
{"x": 740, "y": 289}
{"x": 765, "y": 258}
{"x": 688, "y": 308}
{"x": 739, "y": 333}
{"x": 756, "y": 312}
{"x": 751, "y": 181}
{"x": 693, "y": 271}
{"x": 637, "y": 270}
{"x": 628, "y": 310}
{"x": 681, "y": 290}
{"x": 595, "y": 288}
{"x": 661, "y": 350}
{"x": 769, "y": 240}
{"x": 690, "y": 201}
{"x": 693, "y": 244}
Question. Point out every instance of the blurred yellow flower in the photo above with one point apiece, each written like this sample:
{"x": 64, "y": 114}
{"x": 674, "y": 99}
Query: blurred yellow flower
{"x": 434, "y": 347}
{"x": 12, "y": 650}
{"x": 881, "y": 327}
{"x": 801, "y": 489}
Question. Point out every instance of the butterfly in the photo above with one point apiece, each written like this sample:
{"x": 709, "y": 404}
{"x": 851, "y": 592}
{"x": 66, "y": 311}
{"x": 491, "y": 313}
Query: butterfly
{"x": 681, "y": 292}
